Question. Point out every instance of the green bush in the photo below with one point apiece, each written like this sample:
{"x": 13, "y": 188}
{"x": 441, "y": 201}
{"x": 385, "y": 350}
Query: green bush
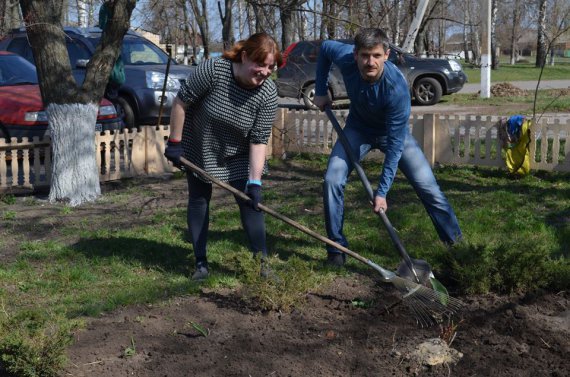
{"x": 506, "y": 267}
{"x": 286, "y": 289}
{"x": 559, "y": 274}
{"x": 33, "y": 344}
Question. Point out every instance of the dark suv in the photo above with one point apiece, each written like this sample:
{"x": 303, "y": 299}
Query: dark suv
{"x": 428, "y": 79}
{"x": 145, "y": 67}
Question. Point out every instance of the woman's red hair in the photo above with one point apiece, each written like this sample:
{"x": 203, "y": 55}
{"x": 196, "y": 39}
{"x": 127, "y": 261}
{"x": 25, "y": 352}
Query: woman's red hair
{"x": 257, "y": 47}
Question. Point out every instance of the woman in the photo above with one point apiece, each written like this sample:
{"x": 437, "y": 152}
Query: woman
{"x": 221, "y": 121}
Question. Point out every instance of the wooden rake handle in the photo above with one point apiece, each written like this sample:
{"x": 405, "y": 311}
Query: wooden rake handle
{"x": 273, "y": 213}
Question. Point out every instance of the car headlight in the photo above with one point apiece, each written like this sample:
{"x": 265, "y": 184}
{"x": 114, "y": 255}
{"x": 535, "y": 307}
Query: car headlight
{"x": 107, "y": 110}
{"x": 36, "y": 116}
{"x": 455, "y": 66}
{"x": 155, "y": 80}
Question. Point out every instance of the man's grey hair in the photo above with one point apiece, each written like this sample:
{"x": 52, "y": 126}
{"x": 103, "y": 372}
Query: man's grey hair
{"x": 368, "y": 38}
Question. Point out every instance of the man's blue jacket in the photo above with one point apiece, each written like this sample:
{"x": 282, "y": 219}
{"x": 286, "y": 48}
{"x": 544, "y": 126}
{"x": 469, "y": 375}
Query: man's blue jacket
{"x": 381, "y": 108}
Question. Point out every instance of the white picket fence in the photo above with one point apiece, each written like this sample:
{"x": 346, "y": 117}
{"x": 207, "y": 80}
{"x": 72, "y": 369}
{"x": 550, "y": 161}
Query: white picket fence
{"x": 445, "y": 139}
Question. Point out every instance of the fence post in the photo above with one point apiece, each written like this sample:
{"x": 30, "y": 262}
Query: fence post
{"x": 138, "y": 154}
{"x": 429, "y": 141}
{"x": 156, "y": 163}
{"x": 278, "y": 134}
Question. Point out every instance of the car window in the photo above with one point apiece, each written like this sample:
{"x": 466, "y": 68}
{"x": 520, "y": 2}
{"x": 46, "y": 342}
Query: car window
{"x": 14, "y": 71}
{"x": 21, "y": 47}
{"x": 296, "y": 55}
{"x": 140, "y": 52}
{"x": 311, "y": 52}
{"x": 77, "y": 50}
{"x": 397, "y": 56}
{"x": 394, "y": 56}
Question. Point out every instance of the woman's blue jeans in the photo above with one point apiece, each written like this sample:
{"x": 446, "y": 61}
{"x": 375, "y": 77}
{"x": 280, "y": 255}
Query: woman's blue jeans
{"x": 414, "y": 166}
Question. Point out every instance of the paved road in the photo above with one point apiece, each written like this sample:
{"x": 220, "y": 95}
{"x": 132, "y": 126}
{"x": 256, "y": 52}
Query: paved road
{"x": 527, "y": 85}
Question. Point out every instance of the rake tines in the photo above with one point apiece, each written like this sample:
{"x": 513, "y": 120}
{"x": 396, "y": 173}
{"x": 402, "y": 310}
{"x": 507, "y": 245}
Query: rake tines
{"x": 428, "y": 306}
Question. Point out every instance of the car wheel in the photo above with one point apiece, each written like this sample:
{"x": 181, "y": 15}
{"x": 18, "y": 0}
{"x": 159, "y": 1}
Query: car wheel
{"x": 125, "y": 112}
{"x": 309, "y": 95}
{"x": 427, "y": 91}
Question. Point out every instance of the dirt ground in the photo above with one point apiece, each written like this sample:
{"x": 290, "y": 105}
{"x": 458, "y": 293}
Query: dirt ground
{"x": 328, "y": 335}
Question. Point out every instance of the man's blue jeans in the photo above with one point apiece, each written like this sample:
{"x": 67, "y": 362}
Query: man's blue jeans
{"x": 414, "y": 166}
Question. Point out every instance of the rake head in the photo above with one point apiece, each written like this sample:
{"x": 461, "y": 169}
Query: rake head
{"x": 428, "y": 305}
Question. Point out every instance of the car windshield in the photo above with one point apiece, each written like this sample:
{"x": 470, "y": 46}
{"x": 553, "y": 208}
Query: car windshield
{"x": 15, "y": 70}
{"x": 138, "y": 51}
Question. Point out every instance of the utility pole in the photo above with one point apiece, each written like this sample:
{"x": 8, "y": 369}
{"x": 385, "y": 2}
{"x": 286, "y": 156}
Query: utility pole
{"x": 486, "y": 50}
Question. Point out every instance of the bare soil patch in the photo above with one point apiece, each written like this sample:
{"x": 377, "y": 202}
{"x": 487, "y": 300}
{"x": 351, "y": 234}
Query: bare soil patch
{"x": 500, "y": 336}
{"x": 328, "y": 336}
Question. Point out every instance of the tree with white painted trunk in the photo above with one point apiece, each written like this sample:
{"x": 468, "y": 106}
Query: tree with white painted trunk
{"x": 72, "y": 107}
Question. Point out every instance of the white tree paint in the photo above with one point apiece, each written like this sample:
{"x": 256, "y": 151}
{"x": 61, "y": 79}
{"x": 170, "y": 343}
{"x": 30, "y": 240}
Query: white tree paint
{"x": 75, "y": 175}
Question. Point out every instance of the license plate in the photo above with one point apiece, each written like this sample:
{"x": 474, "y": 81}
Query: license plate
{"x": 98, "y": 127}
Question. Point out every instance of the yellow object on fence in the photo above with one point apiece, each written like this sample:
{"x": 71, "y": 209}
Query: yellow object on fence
{"x": 518, "y": 156}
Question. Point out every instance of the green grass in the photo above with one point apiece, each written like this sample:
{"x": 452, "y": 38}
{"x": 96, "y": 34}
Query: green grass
{"x": 519, "y": 72}
{"x": 550, "y": 100}
{"x": 517, "y": 239}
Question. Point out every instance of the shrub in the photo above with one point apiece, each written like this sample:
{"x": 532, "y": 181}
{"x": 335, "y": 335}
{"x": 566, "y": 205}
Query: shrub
{"x": 506, "y": 267}
{"x": 286, "y": 289}
{"x": 33, "y": 344}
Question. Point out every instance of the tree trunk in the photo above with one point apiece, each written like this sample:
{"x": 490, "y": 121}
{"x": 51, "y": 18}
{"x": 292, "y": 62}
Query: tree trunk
{"x": 466, "y": 22}
{"x": 328, "y": 27}
{"x": 514, "y": 33}
{"x": 286, "y": 26}
{"x": 240, "y": 21}
{"x": 227, "y": 23}
{"x": 397, "y": 7}
{"x": 9, "y": 15}
{"x": 251, "y": 17}
{"x": 72, "y": 109}
{"x": 81, "y": 13}
{"x": 187, "y": 35}
{"x": 541, "y": 48}
{"x": 475, "y": 42}
{"x": 495, "y": 50}
{"x": 551, "y": 55}
{"x": 441, "y": 32}
{"x": 200, "y": 10}
{"x": 286, "y": 9}
{"x": 261, "y": 16}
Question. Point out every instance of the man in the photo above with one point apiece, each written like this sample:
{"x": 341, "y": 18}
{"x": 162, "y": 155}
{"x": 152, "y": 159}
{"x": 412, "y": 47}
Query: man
{"x": 378, "y": 118}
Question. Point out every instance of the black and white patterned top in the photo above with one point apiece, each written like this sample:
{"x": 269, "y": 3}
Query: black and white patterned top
{"x": 222, "y": 119}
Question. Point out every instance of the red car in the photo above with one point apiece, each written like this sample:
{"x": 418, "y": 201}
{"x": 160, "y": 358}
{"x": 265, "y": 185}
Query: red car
{"x": 22, "y": 111}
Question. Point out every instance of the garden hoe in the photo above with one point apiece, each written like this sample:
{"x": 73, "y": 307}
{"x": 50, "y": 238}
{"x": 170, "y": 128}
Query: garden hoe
{"x": 428, "y": 306}
{"x": 417, "y": 270}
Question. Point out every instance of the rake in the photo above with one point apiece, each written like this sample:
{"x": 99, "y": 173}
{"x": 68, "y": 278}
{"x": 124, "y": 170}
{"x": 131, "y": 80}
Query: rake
{"x": 428, "y": 306}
